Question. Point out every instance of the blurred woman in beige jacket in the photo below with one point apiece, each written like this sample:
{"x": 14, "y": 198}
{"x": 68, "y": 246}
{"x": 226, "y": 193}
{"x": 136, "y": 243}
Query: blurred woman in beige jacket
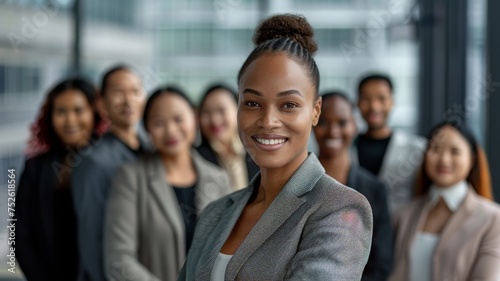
{"x": 451, "y": 231}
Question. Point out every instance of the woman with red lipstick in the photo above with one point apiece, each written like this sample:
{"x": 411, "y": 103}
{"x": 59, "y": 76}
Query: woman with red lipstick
{"x": 293, "y": 221}
{"x": 451, "y": 230}
{"x": 154, "y": 203}
{"x": 334, "y": 133}
{"x": 219, "y": 132}
{"x": 46, "y": 226}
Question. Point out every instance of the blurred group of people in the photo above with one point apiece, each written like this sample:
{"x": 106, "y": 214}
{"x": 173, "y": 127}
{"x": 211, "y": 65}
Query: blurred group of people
{"x": 80, "y": 141}
{"x": 97, "y": 200}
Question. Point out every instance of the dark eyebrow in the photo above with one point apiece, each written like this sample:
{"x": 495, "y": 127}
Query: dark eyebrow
{"x": 251, "y": 91}
{"x": 282, "y": 94}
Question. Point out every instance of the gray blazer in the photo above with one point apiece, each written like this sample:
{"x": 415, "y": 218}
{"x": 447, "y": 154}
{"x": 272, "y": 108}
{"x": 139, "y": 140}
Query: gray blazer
{"x": 315, "y": 229}
{"x": 144, "y": 236}
{"x": 402, "y": 160}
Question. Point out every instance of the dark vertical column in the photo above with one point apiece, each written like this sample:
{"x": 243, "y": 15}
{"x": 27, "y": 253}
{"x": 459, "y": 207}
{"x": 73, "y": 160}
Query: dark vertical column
{"x": 76, "y": 52}
{"x": 442, "y": 38}
{"x": 263, "y": 9}
{"x": 431, "y": 79}
{"x": 455, "y": 53}
{"x": 493, "y": 91}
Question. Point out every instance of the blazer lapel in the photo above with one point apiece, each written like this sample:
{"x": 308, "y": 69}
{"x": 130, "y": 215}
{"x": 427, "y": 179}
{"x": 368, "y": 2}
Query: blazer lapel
{"x": 456, "y": 220}
{"x": 205, "y": 191}
{"x": 391, "y": 153}
{"x": 221, "y": 232}
{"x": 283, "y": 206}
{"x": 417, "y": 219}
{"x": 166, "y": 199}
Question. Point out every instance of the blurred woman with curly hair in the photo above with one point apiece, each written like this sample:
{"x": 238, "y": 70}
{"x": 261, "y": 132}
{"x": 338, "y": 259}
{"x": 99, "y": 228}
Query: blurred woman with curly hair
{"x": 46, "y": 226}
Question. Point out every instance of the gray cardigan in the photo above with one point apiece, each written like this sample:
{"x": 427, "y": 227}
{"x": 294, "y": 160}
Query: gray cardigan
{"x": 144, "y": 236}
{"x": 315, "y": 229}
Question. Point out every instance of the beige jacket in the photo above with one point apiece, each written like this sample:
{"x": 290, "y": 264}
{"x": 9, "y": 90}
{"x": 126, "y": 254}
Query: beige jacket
{"x": 469, "y": 246}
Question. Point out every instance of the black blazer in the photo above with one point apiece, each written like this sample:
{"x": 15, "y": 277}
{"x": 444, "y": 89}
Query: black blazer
{"x": 380, "y": 260}
{"x": 35, "y": 241}
{"x": 208, "y": 153}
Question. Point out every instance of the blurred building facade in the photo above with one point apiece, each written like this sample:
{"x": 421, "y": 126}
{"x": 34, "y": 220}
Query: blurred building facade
{"x": 201, "y": 41}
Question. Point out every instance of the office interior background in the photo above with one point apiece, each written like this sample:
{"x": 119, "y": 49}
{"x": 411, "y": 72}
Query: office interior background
{"x": 443, "y": 55}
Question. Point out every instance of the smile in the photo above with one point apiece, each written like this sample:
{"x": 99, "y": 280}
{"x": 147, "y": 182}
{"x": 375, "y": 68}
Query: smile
{"x": 270, "y": 141}
{"x": 333, "y": 143}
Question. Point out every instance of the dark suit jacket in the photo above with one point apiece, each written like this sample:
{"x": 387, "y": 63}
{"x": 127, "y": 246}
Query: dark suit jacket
{"x": 91, "y": 182}
{"x": 35, "y": 241}
{"x": 315, "y": 229}
{"x": 380, "y": 260}
{"x": 208, "y": 153}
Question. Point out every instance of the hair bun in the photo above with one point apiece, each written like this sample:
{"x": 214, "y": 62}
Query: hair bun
{"x": 287, "y": 26}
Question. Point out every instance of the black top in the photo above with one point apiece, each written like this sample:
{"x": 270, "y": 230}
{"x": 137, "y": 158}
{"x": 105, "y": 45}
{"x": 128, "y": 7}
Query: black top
{"x": 46, "y": 232}
{"x": 66, "y": 248}
{"x": 185, "y": 197}
{"x": 371, "y": 152}
{"x": 379, "y": 262}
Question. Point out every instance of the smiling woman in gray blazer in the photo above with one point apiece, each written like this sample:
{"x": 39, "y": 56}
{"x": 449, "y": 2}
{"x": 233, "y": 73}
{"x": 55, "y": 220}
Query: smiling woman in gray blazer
{"x": 154, "y": 202}
{"x": 293, "y": 221}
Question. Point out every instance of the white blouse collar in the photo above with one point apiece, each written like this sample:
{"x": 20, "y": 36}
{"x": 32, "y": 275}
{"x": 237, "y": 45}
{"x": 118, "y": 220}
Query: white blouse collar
{"x": 453, "y": 195}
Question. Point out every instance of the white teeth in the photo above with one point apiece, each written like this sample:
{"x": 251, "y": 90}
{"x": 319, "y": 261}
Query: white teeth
{"x": 270, "y": 141}
{"x": 333, "y": 143}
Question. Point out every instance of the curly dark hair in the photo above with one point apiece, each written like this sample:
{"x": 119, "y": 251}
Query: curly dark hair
{"x": 289, "y": 34}
{"x": 287, "y": 26}
{"x": 43, "y": 136}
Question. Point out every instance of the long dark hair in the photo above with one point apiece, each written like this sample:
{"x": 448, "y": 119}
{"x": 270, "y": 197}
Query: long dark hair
{"x": 43, "y": 136}
{"x": 479, "y": 176}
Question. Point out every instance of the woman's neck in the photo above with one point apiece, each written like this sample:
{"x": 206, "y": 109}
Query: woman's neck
{"x": 272, "y": 180}
{"x": 337, "y": 167}
{"x": 224, "y": 147}
{"x": 180, "y": 161}
{"x": 179, "y": 169}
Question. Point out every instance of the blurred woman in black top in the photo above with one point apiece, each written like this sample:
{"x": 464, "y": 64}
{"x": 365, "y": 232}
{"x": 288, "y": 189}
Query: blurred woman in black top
{"x": 46, "y": 225}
